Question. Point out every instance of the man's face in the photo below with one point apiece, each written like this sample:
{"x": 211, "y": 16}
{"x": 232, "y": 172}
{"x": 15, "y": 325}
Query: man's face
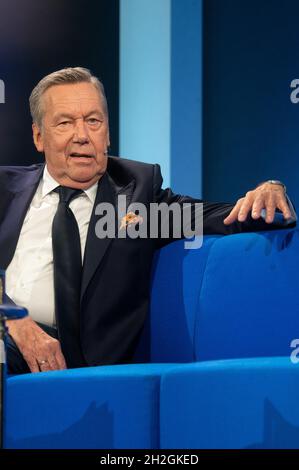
{"x": 74, "y": 135}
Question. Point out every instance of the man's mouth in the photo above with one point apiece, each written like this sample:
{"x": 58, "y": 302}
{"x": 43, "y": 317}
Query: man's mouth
{"x": 81, "y": 155}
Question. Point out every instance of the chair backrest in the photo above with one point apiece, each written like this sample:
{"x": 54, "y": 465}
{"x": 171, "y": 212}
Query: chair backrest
{"x": 237, "y": 296}
{"x": 249, "y": 300}
{"x": 168, "y": 335}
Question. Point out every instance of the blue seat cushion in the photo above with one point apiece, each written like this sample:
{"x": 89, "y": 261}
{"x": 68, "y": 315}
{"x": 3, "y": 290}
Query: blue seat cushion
{"x": 237, "y": 403}
{"x": 109, "y": 407}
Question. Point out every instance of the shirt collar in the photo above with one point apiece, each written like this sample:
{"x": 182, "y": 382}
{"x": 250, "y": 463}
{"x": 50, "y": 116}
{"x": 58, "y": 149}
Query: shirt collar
{"x": 49, "y": 184}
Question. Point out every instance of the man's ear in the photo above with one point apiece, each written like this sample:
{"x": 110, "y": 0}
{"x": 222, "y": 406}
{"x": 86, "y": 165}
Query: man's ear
{"x": 37, "y": 138}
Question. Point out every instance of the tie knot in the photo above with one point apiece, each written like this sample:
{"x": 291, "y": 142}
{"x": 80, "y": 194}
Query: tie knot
{"x": 66, "y": 194}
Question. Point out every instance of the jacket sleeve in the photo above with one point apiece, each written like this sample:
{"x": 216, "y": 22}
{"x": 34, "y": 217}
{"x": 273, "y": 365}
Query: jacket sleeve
{"x": 213, "y": 213}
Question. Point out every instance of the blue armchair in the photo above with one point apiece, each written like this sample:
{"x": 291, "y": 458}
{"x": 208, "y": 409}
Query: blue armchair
{"x": 212, "y": 368}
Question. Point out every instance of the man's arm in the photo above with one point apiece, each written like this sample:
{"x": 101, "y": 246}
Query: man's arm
{"x": 247, "y": 215}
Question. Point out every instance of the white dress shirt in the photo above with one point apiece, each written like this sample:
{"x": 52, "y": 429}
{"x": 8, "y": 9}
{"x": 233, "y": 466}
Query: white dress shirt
{"x": 29, "y": 276}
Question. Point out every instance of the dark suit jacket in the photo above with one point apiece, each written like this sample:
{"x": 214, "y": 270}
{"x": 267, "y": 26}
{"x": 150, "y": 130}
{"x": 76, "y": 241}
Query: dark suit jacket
{"x": 116, "y": 272}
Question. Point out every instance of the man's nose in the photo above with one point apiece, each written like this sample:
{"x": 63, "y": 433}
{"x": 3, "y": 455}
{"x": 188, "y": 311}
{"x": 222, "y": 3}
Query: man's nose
{"x": 80, "y": 132}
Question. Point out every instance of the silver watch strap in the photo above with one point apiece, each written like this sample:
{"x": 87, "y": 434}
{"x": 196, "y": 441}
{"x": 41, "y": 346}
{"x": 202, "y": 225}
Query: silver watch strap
{"x": 277, "y": 182}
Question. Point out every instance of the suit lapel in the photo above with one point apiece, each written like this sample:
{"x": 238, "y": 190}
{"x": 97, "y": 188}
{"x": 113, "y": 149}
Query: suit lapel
{"x": 14, "y": 204}
{"x": 95, "y": 247}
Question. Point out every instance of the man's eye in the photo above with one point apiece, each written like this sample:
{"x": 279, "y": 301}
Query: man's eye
{"x": 64, "y": 123}
{"x": 93, "y": 121}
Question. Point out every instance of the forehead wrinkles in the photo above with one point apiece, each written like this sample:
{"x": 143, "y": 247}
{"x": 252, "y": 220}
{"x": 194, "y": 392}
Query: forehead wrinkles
{"x": 79, "y": 104}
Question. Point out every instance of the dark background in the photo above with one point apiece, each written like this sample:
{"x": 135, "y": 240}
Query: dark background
{"x": 250, "y": 126}
{"x": 250, "y": 57}
{"x": 37, "y": 38}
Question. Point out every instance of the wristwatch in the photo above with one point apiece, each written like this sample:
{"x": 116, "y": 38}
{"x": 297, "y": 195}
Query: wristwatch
{"x": 275, "y": 182}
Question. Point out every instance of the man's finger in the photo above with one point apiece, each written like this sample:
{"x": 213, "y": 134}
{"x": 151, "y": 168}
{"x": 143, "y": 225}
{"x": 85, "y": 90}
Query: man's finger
{"x": 284, "y": 207}
{"x": 270, "y": 207}
{"x": 61, "y": 362}
{"x": 232, "y": 216}
{"x": 49, "y": 363}
{"x": 45, "y": 366}
{"x": 244, "y": 209}
{"x": 32, "y": 364}
{"x": 257, "y": 208}
{"x": 57, "y": 355}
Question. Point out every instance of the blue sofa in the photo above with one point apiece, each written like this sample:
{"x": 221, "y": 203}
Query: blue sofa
{"x": 212, "y": 368}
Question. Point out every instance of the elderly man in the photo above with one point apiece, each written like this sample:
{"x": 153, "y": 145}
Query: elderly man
{"x": 88, "y": 296}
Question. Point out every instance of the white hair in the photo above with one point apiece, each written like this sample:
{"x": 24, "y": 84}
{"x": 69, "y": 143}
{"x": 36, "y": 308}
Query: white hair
{"x": 60, "y": 77}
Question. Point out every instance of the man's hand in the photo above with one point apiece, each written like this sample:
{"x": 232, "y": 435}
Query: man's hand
{"x": 40, "y": 351}
{"x": 267, "y": 196}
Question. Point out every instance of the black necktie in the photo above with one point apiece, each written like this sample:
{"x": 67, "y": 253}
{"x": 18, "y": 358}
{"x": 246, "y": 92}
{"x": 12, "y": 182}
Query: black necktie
{"x": 67, "y": 277}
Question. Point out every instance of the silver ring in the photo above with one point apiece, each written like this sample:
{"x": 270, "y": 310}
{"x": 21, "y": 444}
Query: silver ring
{"x": 41, "y": 363}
